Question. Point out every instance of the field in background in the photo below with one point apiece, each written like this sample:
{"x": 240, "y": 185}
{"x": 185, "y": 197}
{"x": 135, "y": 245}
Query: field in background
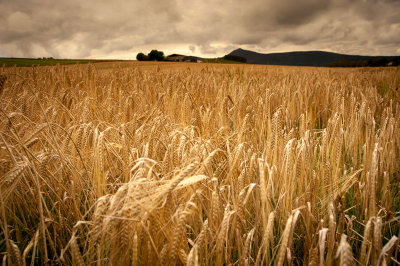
{"x": 199, "y": 164}
{"x": 221, "y": 61}
{"x": 27, "y": 62}
{"x": 30, "y": 62}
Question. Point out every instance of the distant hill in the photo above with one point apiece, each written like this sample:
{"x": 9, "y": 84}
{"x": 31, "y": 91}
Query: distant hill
{"x": 308, "y": 58}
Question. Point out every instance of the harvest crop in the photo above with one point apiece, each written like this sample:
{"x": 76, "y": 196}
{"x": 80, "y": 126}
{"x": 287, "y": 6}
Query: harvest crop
{"x": 199, "y": 164}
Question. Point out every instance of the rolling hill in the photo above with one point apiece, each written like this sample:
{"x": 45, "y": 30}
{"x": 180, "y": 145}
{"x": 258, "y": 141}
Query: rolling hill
{"x": 307, "y": 58}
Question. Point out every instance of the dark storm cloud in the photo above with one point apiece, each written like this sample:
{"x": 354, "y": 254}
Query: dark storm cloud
{"x": 29, "y": 27}
{"x": 121, "y": 28}
{"x": 284, "y": 12}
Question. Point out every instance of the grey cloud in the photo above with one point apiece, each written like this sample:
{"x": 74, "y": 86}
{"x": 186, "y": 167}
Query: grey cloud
{"x": 87, "y": 25}
{"x": 288, "y": 12}
{"x": 102, "y": 28}
{"x": 208, "y": 49}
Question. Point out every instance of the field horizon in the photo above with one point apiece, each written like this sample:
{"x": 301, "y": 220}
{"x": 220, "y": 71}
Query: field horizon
{"x": 315, "y": 58}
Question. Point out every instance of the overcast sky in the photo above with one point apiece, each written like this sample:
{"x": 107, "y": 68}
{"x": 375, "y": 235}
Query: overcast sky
{"x": 122, "y": 28}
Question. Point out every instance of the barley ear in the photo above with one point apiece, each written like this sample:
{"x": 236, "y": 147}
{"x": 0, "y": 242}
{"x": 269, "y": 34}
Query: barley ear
{"x": 344, "y": 252}
{"x": 76, "y": 254}
{"x": 16, "y": 254}
{"x": 321, "y": 243}
{"x": 285, "y": 241}
{"x": 367, "y": 231}
{"x": 3, "y": 79}
{"x": 268, "y": 235}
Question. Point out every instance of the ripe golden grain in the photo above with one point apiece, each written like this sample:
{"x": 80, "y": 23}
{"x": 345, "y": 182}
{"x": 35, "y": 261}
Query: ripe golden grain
{"x": 197, "y": 164}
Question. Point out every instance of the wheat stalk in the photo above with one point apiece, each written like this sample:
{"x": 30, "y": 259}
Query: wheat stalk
{"x": 158, "y": 164}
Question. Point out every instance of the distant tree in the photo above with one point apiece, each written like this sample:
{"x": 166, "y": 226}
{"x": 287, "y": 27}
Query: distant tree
{"x": 339, "y": 63}
{"x": 142, "y": 57}
{"x": 396, "y": 61}
{"x": 379, "y": 61}
{"x": 235, "y": 58}
{"x": 349, "y": 63}
{"x": 155, "y": 55}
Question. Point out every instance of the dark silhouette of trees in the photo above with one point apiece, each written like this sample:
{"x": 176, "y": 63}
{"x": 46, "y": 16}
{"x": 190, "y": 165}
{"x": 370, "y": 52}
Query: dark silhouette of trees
{"x": 142, "y": 57}
{"x": 154, "y": 55}
{"x": 373, "y": 62}
{"x": 379, "y": 61}
{"x": 235, "y": 58}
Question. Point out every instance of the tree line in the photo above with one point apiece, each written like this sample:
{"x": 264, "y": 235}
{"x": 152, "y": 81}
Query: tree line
{"x": 154, "y": 55}
{"x": 373, "y": 62}
{"x": 235, "y": 58}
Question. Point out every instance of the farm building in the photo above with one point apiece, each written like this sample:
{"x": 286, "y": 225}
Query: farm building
{"x": 175, "y": 57}
{"x": 183, "y": 58}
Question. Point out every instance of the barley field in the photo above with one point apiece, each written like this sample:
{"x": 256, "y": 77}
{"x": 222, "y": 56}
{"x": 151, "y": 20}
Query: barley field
{"x": 199, "y": 164}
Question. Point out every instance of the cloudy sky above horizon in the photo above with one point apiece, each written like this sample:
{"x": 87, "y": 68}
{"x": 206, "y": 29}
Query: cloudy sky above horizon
{"x": 210, "y": 28}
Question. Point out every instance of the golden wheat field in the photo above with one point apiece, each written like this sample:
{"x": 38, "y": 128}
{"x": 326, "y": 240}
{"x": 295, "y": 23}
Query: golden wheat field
{"x": 199, "y": 164}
